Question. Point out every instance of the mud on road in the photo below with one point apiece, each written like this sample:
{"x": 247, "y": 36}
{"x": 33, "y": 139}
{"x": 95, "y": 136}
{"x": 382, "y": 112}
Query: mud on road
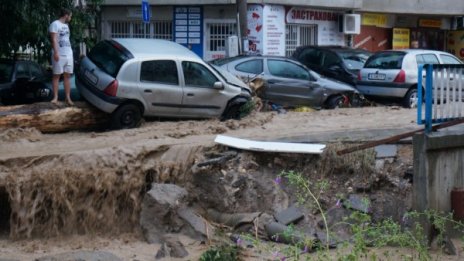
{"x": 93, "y": 182}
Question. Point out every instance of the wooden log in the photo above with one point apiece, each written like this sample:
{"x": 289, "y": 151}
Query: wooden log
{"x": 50, "y": 118}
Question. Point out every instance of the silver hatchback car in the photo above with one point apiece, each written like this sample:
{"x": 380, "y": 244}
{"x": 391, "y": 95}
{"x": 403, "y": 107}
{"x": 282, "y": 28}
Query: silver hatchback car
{"x": 393, "y": 73}
{"x": 131, "y": 78}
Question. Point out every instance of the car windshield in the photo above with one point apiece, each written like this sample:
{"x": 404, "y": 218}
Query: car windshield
{"x": 222, "y": 61}
{"x": 108, "y": 57}
{"x": 6, "y": 69}
{"x": 354, "y": 60}
{"x": 385, "y": 60}
{"x": 227, "y": 76}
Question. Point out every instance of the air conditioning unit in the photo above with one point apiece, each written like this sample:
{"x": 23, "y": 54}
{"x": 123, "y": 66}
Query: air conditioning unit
{"x": 350, "y": 23}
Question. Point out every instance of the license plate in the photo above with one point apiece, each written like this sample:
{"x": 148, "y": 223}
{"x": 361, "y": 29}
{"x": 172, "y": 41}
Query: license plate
{"x": 376, "y": 76}
{"x": 90, "y": 77}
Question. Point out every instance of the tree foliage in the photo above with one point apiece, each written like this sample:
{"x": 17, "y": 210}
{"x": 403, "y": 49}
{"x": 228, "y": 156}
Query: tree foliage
{"x": 24, "y": 24}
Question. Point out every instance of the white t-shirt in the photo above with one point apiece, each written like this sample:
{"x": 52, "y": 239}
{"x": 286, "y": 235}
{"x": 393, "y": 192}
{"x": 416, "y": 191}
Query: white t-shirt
{"x": 62, "y": 34}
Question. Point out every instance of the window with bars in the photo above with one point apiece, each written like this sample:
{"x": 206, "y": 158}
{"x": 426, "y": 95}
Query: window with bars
{"x": 298, "y": 35}
{"x": 138, "y": 29}
{"x": 217, "y": 35}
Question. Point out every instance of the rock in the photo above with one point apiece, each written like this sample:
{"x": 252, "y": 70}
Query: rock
{"x": 232, "y": 220}
{"x": 339, "y": 223}
{"x": 171, "y": 247}
{"x": 289, "y": 215}
{"x": 386, "y": 151}
{"x": 81, "y": 256}
{"x": 195, "y": 221}
{"x": 159, "y": 211}
{"x": 446, "y": 245}
{"x": 358, "y": 203}
{"x": 379, "y": 165}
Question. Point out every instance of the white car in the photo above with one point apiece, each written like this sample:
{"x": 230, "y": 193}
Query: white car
{"x": 131, "y": 78}
{"x": 393, "y": 73}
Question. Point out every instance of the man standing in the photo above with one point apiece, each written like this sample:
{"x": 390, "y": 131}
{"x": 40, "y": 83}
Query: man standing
{"x": 62, "y": 55}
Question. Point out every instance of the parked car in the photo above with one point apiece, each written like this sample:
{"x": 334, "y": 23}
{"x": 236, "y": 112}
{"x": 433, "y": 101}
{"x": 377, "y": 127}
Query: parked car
{"x": 22, "y": 82}
{"x": 290, "y": 83}
{"x": 337, "y": 62}
{"x": 131, "y": 78}
{"x": 393, "y": 73}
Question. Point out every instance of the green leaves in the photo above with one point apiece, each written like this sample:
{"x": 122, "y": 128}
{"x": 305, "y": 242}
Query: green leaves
{"x": 25, "y": 24}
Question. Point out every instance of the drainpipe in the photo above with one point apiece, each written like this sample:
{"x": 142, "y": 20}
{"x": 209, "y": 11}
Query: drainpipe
{"x": 242, "y": 23}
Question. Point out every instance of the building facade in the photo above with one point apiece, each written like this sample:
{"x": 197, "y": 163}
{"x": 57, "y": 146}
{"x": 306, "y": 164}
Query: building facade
{"x": 278, "y": 27}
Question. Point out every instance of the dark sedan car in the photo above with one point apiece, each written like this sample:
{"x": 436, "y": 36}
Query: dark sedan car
{"x": 290, "y": 83}
{"x": 340, "y": 63}
{"x": 22, "y": 82}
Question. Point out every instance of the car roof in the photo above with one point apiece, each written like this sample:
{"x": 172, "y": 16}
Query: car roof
{"x": 415, "y": 51}
{"x": 141, "y": 48}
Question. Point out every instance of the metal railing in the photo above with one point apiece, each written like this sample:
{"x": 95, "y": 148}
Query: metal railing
{"x": 444, "y": 95}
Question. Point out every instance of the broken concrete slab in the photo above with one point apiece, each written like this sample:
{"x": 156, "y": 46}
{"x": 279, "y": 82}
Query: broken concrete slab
{"x": 81, "y": 255}
{"x": 338, "y": 220}
{"x": 269, "y": 146}
{"x": 171, "y": 247}
{"x": 197, "y": 222}
{"x": 359, "y": 203}
{"x": 289, "y": 216}
{"x": 159, "y": 211}
{"x": 386, "y": 151}
{"x": 232, "y": 220}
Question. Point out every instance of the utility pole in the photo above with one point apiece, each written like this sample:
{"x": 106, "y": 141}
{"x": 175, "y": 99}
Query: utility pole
{"x": 242, "y": 23}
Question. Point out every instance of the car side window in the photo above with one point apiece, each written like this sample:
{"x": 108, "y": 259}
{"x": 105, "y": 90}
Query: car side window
{"x": 159, "y": 71}
{"x": 430, "y": 58}
{"x": 254, "y": 66}
{"x": 22, "y": 70}
{"x": 196, "y": 74}
{"x": 330, "y": 59}
{"x": 36, "y": 71}
{"x": 447, "y": 59}
{"x": 311, "y": 57}
{"x": 420, "y": 59}
{"x": 287, "y": 70}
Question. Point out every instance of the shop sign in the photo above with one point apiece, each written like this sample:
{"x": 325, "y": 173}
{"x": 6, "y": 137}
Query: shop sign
{"x": 274, "y": 30}
{"x": 456, "y": 43}
{"x": 255, "y": 27}
{"x": 326, "y": 21}
{"x": 379, "y": 20}
{"x": 400, "y": 38}
{"x": 188, "y": 27}
{"x": 433, "y": 23}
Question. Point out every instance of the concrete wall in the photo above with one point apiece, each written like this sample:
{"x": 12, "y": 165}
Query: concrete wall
{"x": 337, "y": 4}
{"x": 432, "y": 7}
{"x": 438, "y": 168}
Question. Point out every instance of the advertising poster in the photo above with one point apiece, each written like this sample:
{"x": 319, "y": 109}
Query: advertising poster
{"x": 255, "y": 29}
{"x": 326, "y": 21}
{"x": 456, "y": 43}
{"x": 188, "y": 27}
{"x": 274, "y": 30}
{"x": 400, "y": 38}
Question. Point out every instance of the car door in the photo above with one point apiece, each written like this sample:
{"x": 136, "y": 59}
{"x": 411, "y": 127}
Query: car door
{"x": 200, "y": 98}
{"x": 311, "y": 58}
{"x": 290, "y": 84}
{"x": 160, "y": 87}
{"x": 332, "y": 66}
{"x": 248, "y": 69}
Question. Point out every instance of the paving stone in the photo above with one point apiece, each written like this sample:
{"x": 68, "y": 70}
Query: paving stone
{"x": 386, "y": 151}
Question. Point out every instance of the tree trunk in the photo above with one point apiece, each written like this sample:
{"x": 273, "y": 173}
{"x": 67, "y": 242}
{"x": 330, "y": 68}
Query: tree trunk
{"x": 47, "y": 117}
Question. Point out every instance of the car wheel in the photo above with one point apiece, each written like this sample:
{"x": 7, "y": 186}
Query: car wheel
{"x": 43, "y": 94}
{"x": 233, "y": 110}
{"x": 410, "y": 100}
{"x": 335, "y": 102}
{"x": 126, "y": 117}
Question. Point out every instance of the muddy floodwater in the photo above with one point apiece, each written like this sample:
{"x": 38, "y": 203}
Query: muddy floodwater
{"x": 79, "y": 191}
